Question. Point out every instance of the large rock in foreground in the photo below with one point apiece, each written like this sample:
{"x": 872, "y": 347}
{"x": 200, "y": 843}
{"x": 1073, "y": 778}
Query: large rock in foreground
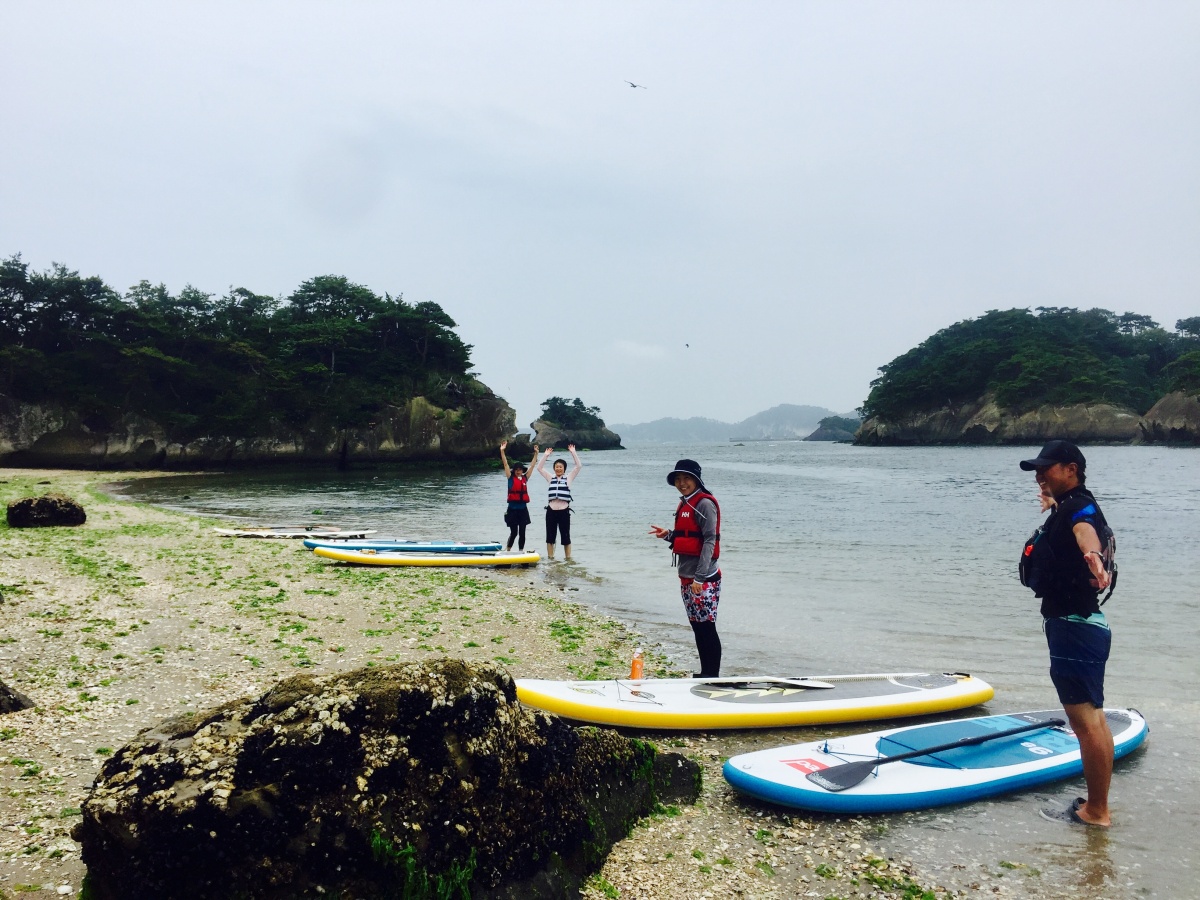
{"x": 1175, "y": 419}
{"x": 412, "y": 780}
{"x": 44, "y": 512}
{"x": 985, "y": 422}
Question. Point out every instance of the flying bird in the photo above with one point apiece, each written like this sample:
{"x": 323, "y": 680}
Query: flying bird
{"x": 632, "y": 85}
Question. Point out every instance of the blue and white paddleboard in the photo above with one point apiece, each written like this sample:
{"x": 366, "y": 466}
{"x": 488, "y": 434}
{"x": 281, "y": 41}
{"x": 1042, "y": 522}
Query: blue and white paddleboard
{"x": 958, "y": 775}
{"x": 396, "y": 545}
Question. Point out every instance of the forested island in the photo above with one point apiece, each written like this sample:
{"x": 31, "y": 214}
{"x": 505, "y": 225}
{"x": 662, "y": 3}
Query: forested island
{"x": 564, "y": 422}
{"x": 333, "y": 372}
{"x": 1018, "y": 376}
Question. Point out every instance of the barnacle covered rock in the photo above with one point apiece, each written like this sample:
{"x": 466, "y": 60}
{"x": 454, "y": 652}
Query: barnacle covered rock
{"x": 370, "y": 784}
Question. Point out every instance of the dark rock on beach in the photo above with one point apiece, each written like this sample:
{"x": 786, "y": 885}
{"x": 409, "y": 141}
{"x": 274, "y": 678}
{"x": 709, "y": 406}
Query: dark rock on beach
{"x": 409, "y": 780}
{"x": 12, "y": 701}
{"x": 46, "y": 511}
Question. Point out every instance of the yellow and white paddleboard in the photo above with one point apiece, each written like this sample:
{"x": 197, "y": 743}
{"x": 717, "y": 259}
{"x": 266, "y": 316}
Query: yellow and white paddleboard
{"x": 382, "y": 558}
{"x": 753, "y": 701}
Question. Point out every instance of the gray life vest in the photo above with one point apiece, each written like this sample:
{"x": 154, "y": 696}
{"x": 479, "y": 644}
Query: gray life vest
{"x": 560, "y": 488}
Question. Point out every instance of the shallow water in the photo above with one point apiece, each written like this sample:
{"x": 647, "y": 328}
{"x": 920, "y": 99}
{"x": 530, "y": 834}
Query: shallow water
{"x": 847, "y": 559}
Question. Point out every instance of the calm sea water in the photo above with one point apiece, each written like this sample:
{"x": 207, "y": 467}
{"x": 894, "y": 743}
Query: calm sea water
{"x": 846, "y": 559}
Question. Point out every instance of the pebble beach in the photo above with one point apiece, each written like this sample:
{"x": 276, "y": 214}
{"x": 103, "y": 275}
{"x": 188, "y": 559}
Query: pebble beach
{"x": 142, "y": 614}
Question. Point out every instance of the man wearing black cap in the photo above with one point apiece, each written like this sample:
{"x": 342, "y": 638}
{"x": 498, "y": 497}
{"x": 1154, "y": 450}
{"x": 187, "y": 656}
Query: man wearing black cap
{"x": 1065, "y": 569}
{"x": 695, "y": 540}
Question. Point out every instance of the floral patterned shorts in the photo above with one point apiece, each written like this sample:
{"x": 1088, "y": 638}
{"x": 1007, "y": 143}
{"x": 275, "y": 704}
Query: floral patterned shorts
{"x": 700, "y": 607}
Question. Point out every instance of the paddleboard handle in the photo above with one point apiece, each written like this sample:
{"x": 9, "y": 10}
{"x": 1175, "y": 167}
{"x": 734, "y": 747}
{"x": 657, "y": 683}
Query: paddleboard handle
{"x": 847, "y": 775}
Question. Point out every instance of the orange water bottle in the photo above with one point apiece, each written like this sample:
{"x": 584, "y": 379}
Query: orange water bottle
{"x": 636, "y": 667}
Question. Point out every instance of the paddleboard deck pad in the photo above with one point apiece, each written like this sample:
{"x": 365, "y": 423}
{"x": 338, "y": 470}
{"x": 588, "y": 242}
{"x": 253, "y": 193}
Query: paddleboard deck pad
{"x": 396, "y": 545}
{"x": 753, "y": 701}
{"x": 294, "y": 533}
{"x": 378, "y": 558}
{"x": 958, "y": 775}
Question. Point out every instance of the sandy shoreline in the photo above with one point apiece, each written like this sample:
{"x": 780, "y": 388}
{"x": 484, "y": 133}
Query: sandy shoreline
{"x": 144, "y": 613}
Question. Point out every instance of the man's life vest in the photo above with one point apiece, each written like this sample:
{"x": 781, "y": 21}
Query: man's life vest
{"x": 560, "y": 488}
{"x": 686, "y": 537}
{"x": 518, "y": 489}
{"x": 1041, "y": 571}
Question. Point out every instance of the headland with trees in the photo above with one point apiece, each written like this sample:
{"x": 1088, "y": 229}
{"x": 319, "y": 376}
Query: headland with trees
{"x": 1020, "y": 376}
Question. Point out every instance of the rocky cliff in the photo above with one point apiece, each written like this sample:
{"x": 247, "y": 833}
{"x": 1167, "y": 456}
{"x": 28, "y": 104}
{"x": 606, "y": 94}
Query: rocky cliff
{"x": 984, "y": 422}
{"x": 830, "y": 433}
{"x": 547, "y": 434}
{"x": 1175, "y": 419}
{"x": 53, "y": 436}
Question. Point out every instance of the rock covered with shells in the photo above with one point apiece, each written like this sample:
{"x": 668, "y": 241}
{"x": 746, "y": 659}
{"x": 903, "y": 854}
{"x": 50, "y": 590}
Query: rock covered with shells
{"x": 44, "y": 512}
{"x": 12, "y": 700}
{"x": 381, "y": 782}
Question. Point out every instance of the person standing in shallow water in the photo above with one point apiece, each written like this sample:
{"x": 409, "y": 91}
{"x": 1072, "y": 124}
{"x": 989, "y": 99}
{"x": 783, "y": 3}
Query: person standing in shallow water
{"x": 516, "y": 517}
{"x": 558, "y": 506}
{"x": 695, "y": 539}
{"x": 1066, "y": 571}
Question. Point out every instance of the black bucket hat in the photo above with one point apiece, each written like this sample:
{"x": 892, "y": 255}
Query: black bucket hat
{"x": 686, "y": 467}
{"x": 1055, "y": 452}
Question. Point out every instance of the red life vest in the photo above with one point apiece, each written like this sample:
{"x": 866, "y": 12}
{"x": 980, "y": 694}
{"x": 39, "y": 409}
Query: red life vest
{"x": 518, "y": 489}
{"x": 686, "y": 537}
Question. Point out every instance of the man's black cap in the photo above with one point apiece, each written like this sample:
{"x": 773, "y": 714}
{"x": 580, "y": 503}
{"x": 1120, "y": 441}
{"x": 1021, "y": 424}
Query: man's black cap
{"x": 1055, "y": 452}
{"x": 686, "y": 467}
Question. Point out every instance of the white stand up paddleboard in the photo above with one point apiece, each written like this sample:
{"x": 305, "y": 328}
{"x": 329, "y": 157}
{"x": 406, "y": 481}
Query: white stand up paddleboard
{"x": 943, "y": 762}
{"x": 753, "y": 701}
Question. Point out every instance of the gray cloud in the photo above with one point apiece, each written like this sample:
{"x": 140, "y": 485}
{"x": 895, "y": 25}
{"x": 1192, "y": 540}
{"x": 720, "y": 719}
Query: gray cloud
{"x": 803, "y": 191}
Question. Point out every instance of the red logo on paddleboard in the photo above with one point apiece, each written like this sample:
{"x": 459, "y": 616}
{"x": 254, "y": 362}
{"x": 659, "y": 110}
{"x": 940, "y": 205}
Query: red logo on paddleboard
{"x": 805, "y": 765}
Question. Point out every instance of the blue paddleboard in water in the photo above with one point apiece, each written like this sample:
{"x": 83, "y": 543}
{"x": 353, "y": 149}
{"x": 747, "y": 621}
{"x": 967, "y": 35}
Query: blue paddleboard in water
{"x": 979, "y": 766}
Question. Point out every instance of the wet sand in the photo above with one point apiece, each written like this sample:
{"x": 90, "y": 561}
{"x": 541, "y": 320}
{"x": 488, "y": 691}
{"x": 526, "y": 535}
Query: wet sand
{"x": 143, "y": 614}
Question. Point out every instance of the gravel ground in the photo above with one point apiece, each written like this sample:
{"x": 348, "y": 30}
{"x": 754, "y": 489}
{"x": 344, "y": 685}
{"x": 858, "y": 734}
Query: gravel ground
{"x": 143, "y": 614}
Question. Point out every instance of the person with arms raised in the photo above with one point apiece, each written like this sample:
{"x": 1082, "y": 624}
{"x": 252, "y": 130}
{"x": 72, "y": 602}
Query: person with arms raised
{"x": 516, "y": 516}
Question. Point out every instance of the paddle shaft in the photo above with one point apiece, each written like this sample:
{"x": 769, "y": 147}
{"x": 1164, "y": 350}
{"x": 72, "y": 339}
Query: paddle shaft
{"x": 838, "y": 778}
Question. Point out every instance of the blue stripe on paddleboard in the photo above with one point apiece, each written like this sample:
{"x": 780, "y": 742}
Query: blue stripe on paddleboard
{"x": 1009, "y": 751}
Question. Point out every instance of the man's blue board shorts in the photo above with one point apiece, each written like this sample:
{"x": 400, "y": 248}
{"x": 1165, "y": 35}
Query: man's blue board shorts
{"x": 1078, "y": 652}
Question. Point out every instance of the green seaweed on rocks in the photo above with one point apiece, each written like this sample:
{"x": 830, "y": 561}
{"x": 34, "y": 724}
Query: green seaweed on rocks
{"x": 417, "y": 883}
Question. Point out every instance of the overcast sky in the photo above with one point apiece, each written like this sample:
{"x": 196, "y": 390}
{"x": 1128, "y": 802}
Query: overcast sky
{"x": 801, "y": 192}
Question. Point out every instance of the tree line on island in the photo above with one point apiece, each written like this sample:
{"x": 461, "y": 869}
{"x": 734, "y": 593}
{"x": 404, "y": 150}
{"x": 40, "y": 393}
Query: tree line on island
{"x": 198, "y": 363}
{"x": 1052, "y": 356}
{"x": 337, "y": 356}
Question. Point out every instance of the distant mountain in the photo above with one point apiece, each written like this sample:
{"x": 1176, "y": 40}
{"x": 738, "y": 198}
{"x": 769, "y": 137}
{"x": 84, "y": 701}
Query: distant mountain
{"x": 786, "y": 422}
{"x": 671, "y": 431}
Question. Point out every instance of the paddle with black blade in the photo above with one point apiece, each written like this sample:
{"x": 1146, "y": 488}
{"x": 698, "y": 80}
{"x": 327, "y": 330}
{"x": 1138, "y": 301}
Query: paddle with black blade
{"x": 847, "y": 775}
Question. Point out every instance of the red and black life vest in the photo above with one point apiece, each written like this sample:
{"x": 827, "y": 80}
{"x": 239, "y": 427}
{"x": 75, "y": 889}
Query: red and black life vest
{"x": 518, "y": 489}
{"x": 686, "y": 537}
